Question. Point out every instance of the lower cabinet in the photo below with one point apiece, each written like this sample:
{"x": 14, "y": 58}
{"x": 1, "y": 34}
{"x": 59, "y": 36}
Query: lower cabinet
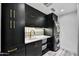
{"x": 34, "y": 49}
{"x": 31, "y": 49}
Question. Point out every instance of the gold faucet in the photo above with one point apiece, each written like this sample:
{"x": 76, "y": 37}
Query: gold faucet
{"x": 30, "y": 34}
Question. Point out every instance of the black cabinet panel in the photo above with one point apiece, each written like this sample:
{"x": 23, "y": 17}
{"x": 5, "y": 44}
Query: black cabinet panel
{"x": 53, "y": 42}
{"x": 7, "y": 37}
{"x": 49, "y": 23}
{"x": 27, "y": 20}
{"x": 34, "y": 49}
{"x": 34, "y": 18}
{"x": 12, "y": 26}
{"x": 19, "y": 23}
{"x": 50, "y": 43}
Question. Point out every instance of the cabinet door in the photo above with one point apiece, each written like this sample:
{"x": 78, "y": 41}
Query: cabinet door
{"x": 27, "y": 18}
{"x": 34, "y": 49}
{"x": 49, "y": 22}
{"x": 19, "y": 22}
{"x": 7, "y": 40}
{"x": 35, "y": 17}
{"x": 32, "y": 16}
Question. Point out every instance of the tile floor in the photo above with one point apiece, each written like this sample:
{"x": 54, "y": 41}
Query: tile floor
{"x": 60, "y": 52}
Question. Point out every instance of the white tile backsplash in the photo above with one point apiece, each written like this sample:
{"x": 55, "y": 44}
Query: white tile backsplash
{"x": 38, "y": 31}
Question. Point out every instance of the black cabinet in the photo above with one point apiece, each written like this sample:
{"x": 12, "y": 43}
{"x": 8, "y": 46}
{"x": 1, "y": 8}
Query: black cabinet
{"x": 34, "y": 49}
{"x": 19, "y": 21}
{"x": 34, "y": 18}
{"x": 49, "y": 22}
{"x": 52, "y": 30}
{"x": 53, "y": 44}
{"x": 6, "y": 31}
{"x": 50, "y": 43}
{"x": 12, "y": 26}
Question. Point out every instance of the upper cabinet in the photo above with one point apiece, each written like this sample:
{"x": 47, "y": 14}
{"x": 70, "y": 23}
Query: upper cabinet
{"x": 50, "y": 20}
{"x": 55, "y": 18}
{"x": 34, "y": 18}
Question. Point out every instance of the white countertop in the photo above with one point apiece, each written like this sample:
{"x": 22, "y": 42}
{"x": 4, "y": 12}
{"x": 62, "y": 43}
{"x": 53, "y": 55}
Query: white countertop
{"x": 35, "y": 38}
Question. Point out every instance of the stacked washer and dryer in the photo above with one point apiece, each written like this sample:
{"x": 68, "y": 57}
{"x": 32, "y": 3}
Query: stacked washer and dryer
{"x": 53, "y": 30}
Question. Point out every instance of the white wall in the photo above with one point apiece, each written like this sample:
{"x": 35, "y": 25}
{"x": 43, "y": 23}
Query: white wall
{"x": 78, "y": 25}
{"x": 69, "y": 32}
{"x": 0, "y": 27}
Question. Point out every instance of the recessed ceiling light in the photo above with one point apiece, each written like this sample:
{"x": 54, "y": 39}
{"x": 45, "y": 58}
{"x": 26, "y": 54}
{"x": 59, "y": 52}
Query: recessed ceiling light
{"x": 62, "y": 10}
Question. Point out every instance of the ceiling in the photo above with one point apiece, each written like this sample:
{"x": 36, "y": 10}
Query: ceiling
{"x": 60, "y": 8}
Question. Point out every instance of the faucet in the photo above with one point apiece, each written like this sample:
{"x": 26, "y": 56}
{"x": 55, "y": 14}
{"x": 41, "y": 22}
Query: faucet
{"x": 32, "y": 31}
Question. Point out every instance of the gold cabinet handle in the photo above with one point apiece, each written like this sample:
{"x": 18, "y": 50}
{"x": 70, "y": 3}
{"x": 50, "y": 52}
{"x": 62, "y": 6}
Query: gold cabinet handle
{"x": 10, "y": 13}
{"x": 12, "y": 50}
{"x": 14, "y": 13}
{"x": 10, "y": 24}
{"x": 14, "y": 24}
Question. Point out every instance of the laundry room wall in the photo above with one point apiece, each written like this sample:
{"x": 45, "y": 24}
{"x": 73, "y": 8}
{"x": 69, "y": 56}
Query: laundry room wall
{"x": 78, "y": 25}
{"x": 69, "y": 31}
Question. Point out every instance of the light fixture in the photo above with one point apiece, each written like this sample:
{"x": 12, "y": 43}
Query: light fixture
{"x": 47, "y": 4}
{"x": 53, "y": 9}
{"x": 62, "y": 10}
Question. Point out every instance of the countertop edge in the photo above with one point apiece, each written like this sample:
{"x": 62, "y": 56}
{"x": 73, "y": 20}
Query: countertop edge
{"x": 36, "y": 40}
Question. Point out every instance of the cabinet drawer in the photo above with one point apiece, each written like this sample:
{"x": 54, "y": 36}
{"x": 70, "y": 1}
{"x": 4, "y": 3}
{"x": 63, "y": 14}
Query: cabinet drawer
{"x": 34, "y": 49}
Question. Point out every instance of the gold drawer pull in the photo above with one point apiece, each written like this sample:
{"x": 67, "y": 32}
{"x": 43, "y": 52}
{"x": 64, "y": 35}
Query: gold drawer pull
{"x": 12, "y": 50}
